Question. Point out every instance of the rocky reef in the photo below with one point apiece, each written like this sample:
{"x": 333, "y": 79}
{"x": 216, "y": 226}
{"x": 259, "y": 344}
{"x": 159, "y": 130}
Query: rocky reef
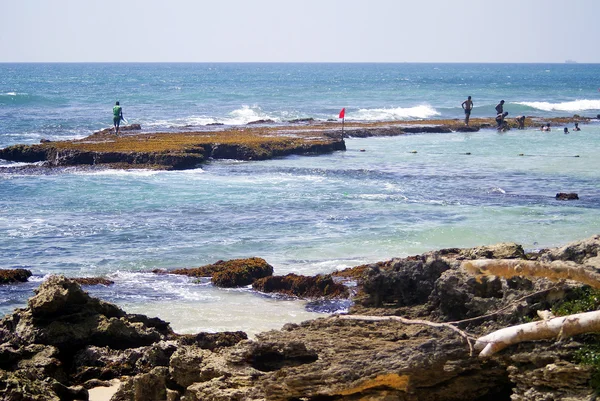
{"x": 184, "y": 150}
{"x": 173, "y": 151}
{"x": 400, "y": 341}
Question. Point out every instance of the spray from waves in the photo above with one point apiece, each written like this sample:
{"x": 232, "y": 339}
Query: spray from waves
{"x": 240, "y": 116}
{"x": 572, "y": 106}
{"x": 247, "y": 114}
{"x": 399, "y": 113}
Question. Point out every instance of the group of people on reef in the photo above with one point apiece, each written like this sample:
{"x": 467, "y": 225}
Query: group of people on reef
{"x": 502, "y": 124}
{"x": 467, "y": 106}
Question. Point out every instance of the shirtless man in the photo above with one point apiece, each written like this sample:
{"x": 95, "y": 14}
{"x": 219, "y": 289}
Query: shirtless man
{"x": 500, "y": 107}
{"x": 467, "y": 106}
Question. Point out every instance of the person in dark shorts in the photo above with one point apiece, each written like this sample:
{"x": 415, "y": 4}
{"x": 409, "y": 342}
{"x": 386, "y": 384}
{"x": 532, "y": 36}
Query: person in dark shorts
{"x": 502, "y": 126}
{"x": 117, "y": 117}
{"x": 467, "y": 106}
{"x": 576, "y": 127}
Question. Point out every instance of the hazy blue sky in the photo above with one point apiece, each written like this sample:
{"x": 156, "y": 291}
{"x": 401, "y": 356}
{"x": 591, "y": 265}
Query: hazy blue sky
{"x": 302, "y": 30}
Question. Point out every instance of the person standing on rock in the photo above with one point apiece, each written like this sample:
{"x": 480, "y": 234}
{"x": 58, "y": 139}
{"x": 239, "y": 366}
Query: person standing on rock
{"x": 117, "y": 116}
{"x": 500, "y": 107}
{"x": 467, "y": 106}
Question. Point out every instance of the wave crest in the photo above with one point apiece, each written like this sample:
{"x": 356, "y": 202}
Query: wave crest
{"x": 575, "y": 105}
{"x": 398, "y": 113}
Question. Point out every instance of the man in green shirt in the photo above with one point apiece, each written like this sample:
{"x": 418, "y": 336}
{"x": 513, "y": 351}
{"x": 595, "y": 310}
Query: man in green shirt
{"x": 117, "y": 117}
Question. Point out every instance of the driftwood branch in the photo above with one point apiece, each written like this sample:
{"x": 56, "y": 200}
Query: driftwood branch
{"x": 556, "y": 270}
{"x": 510, "y": 305}
{"x": 558, "y": 327}
{"x": 460, "y": 332}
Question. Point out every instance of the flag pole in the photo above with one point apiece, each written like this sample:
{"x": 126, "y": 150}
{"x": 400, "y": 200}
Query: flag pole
{"x": 343, "y": 117}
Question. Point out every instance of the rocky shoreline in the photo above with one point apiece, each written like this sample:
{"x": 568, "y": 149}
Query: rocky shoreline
{"x": 66, "y": 342}
{"x": 185, "y": 150}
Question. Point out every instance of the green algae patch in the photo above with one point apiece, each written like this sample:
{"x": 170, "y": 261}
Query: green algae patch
{"x": 241, "y": 272}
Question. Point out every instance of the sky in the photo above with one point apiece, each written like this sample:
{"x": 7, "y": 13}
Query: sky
{"x": 516, "y": 31}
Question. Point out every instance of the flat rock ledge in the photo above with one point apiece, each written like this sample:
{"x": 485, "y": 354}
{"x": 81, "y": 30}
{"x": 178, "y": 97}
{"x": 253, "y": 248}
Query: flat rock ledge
{"x": 260, "y": 141}
{"x": 171, "y": 151}
{"x": 66, "y": 342}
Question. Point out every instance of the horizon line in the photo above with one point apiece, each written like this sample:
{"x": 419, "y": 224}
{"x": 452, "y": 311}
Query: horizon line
{"x": 569, "y": 62}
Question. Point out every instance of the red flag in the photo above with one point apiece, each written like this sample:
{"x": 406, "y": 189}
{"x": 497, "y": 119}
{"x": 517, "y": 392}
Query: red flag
{"x": 343, "y": 113}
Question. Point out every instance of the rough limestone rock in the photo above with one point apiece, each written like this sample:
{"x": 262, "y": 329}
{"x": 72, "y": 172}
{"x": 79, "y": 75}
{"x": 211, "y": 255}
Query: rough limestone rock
{"x": 323, "y": 359}
{"x": 401, "y": 282}
{"x": 63, "y": 315}
{"x": 585, "y": 252}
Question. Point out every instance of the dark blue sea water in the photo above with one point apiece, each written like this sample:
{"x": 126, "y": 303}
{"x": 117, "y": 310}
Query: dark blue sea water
{"x": 309, "y": 215}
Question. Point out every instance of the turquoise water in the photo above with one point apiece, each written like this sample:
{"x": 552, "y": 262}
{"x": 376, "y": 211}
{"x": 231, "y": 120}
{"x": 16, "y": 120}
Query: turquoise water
{"x": 400, "y": 196}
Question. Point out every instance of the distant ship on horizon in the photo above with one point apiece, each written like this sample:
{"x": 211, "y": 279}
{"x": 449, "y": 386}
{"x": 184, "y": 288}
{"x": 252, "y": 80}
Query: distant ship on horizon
{"x": 570, "y": 61}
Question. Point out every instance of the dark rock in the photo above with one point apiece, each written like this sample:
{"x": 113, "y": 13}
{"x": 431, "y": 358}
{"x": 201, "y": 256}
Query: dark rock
{"x": 213, "y": 341}
{"x": 43, "y": 140}
{"x": 302, "y": 286}
{"x": 93, "y": 281}
{"x": 111, "y": 130}
{"x": 567, "y": 196}
{"x": 266, "y": 121}
{"x": 214, "y": 124}
{"x": 72, "y": 393}
{"x": 302, "y": 120}
{"x": 8, "y": 276}
{"x": 401, "y": 282}
{"x": 467, "y": 129}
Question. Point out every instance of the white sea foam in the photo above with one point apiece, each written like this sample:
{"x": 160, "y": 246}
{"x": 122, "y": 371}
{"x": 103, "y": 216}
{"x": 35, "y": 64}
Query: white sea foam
{"x": 247, "y": 114}
{"x": 575, "y": 105}
{"x": 398, "y": 113}
{"x": 121, "y": 173}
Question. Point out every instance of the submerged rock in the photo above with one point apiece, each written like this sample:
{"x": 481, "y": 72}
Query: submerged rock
{"x": 567, "y": 196}
{"x": 93, "y": 281}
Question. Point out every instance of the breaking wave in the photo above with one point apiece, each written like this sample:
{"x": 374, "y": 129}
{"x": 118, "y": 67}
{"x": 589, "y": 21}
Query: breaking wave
{"x": 572, "y": 106}
{"x": 398, "y": 113}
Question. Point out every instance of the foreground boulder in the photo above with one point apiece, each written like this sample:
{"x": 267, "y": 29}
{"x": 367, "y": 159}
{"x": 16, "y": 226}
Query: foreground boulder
{"x": 421, "y": 355}
{"x": 61, "y": 314}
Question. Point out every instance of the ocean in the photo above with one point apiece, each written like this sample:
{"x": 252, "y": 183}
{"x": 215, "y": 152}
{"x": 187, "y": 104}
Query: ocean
{"x": 379, "y": 199}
